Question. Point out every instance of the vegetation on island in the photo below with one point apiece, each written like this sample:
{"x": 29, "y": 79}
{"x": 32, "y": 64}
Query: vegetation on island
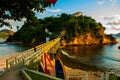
{"x": 5, "y": 33}
{"x": 66, "y": 26}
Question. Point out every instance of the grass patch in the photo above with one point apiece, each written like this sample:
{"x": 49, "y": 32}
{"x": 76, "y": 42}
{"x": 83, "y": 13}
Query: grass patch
{"x": 37, "y": 76}
{"x": 112, "y": 77}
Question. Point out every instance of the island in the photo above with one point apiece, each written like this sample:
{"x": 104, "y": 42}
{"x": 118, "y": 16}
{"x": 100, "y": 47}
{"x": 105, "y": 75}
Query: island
{"x": 73, "y": 29}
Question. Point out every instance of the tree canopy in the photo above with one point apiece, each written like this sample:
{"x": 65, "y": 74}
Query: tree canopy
{"x": 18, "y": 9}
{"x": 67, "y": 26}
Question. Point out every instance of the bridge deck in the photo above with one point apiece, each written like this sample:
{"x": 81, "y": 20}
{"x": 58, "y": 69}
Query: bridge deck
{"x": 15, "y": 62}
{"x": 11, "y": 75}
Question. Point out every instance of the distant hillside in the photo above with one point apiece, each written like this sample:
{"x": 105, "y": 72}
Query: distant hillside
{"x": 5, "y": 33}
{"x": 10, "y": 32}
{"x": 116, "y": 35}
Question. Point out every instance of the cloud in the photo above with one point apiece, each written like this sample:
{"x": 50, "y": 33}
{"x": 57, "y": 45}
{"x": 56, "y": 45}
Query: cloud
{"x": 54, "y": 10}
{"x": 111, "y": 23}
{"x": 112, "y": 20}
{"x": 113, "y": 2}
{"x": 100, "y": 2}
{"x": 112, "y": 29}
{"x": 117, "y": 22}
{"x": 109, "y": 18}
{"x": 57, "y": 10}
{"x": 115, "y": 28}
{"x": 14, "y": 24}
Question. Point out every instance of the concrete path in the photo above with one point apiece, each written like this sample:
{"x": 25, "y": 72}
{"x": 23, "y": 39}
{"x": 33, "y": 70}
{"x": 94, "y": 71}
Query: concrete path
{"x": 12, "y": 74}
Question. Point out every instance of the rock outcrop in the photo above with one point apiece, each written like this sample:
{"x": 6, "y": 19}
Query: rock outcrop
{"x": 88, "y": 39}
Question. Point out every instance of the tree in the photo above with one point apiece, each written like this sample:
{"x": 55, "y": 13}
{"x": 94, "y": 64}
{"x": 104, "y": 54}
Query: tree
{"x": 18, "y": 9}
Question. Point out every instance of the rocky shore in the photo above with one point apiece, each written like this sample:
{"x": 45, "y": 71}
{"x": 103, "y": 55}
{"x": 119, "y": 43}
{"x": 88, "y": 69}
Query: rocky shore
{"x": 88, "y": 39}
{"x": 72, "y": 62}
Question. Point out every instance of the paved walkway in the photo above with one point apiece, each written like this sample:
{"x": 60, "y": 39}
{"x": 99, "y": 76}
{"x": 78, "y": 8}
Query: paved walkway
{"x": 12, "y": 74}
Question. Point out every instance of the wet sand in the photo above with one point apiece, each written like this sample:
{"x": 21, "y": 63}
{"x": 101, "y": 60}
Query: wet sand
{"x": 3, "y": 63}
{"x": 3, "y": 60}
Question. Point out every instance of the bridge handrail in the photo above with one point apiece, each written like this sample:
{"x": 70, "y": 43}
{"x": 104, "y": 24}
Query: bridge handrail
{"x": 45, "y": 49}
{"x": 39, "y": 73}
{"x": 26, "y": 55}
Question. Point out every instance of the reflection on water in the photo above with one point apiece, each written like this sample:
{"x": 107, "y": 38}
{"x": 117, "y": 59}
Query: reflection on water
{"x": 106, "y": 56}
{"x": 6, "y": 49}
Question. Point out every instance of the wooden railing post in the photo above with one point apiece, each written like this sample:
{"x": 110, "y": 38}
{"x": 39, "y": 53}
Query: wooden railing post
{"x": 85, "y": 76}
{"x": 7, "y": 63}
{"x": 15, "y": 60}
{"x": 102, "y": 76}
{"x": 106, "y": 76}
{"x": 23, "y": 60}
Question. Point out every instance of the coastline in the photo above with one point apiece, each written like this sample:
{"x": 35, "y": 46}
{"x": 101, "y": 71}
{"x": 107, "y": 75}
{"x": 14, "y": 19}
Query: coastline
{"x": 83, "y": 65}
{"x": 11, "y": 43}
{"x": 3, "y": 41}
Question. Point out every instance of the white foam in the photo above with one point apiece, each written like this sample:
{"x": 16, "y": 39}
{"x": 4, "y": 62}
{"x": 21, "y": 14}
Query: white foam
{"x": 65, "y": 53}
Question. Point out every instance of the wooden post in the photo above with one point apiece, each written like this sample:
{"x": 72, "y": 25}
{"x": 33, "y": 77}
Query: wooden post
{"x": 23, "y": 60}
{"x": 45, "y": 64}
{"x": 16, "y": 61}
{"x": 102, "y": 76}
{"x": 7, "y": 63}
{"x": 106, "y": 76}
{"x": 43, "y": 61}
{"x": 86, "y": 76}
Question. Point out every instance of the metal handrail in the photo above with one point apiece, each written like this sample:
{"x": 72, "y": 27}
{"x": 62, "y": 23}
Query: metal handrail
{"x": 39, "y": 73}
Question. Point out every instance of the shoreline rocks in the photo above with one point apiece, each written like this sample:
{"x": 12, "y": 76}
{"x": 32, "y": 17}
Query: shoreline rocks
{"x": 88, "y": 39}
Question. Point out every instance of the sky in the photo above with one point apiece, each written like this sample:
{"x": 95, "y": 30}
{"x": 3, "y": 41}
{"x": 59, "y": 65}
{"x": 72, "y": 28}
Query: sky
{"x": 105, "y": 11}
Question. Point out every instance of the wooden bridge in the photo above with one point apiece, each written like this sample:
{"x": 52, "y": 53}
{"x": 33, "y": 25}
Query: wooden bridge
{"x": 48, "y": 47}
{"x": 15, "y": 65}
{"x": 17, "y": 62}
